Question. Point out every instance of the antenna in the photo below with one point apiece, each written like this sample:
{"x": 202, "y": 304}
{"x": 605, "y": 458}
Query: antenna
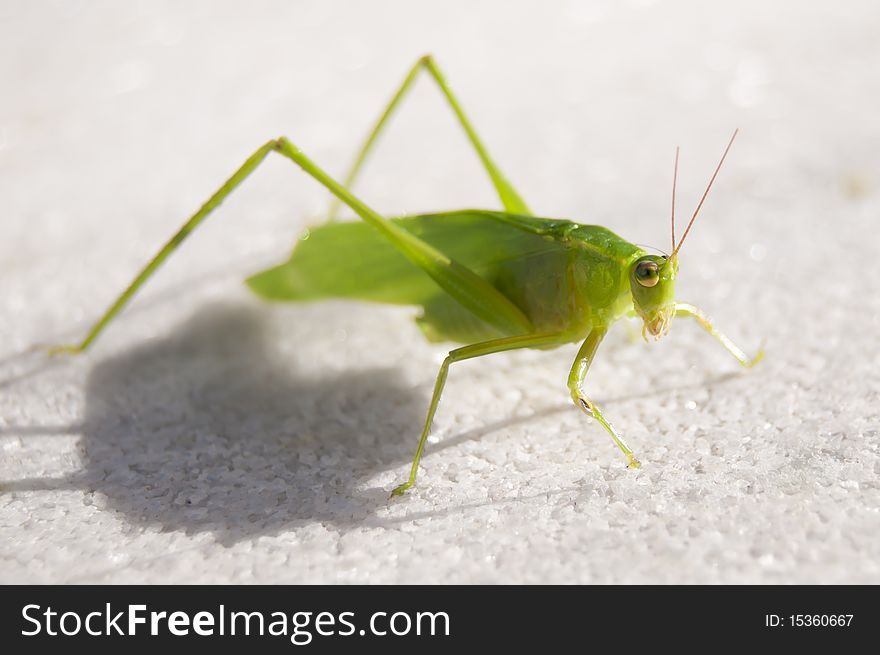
{"x": 674, "y": 180}
{"x": 705, "y": 193}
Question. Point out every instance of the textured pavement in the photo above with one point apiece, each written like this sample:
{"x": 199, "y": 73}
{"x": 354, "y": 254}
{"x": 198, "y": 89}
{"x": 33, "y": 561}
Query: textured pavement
{"x": 209, "y": 437}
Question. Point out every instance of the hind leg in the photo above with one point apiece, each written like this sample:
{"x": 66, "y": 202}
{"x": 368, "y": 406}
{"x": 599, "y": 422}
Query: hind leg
{"x": 510, "y": 199}
{"x": 460, "y": 282}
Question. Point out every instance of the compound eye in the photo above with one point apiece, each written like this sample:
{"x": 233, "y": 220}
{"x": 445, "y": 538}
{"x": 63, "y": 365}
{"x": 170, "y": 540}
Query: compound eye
{"x": 647, "y": 273}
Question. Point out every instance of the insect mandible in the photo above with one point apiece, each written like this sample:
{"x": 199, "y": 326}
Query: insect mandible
{"x": 494, "y": 280}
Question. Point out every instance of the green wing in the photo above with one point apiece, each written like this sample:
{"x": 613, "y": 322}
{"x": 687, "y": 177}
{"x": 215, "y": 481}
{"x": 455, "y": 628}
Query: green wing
{"x": 353, "y": 260}
{"x": 345, "y": 260}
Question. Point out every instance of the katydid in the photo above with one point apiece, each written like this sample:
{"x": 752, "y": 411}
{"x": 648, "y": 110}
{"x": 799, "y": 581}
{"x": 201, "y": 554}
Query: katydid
{"x": 493, "y": 280}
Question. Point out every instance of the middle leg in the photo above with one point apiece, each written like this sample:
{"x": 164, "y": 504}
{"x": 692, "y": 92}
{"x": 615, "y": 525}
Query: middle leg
{"x": 458, "y": 355}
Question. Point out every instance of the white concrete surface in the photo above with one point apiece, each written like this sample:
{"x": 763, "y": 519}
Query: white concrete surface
{"x": 209, "y": 437}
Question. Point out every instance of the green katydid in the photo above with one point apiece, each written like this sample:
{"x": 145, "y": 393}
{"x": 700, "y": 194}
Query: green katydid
{"x": 494, "y": 280}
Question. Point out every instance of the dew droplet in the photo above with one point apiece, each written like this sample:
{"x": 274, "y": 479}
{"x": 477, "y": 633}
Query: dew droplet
{"x": 758, "y": 251}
